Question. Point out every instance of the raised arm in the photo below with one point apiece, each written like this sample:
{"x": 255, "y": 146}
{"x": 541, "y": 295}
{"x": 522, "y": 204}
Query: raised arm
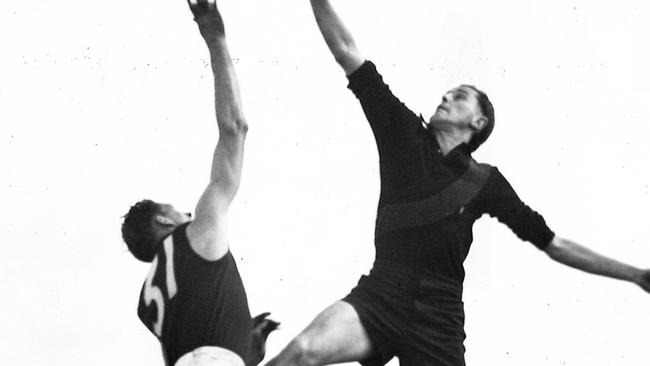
{"x": 577, "y": 256}
{"x": 338, "y": 38}
{"x": 208, "y": 230}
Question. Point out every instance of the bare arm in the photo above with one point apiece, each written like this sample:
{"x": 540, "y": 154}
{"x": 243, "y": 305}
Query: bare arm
{"x": 338, "y": 38}
{"x": 577, "y": 256}
{"x": 208, "y": 230}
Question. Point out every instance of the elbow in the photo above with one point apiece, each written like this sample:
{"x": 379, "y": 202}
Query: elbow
{"x": 345, "y": 55}
{"x": 554, "y": 247}
{"x": 557, "y": 248}
{"x": 241, "y": 125}
{"x": 341, "y": 54}
{"x": 235, "y": 127}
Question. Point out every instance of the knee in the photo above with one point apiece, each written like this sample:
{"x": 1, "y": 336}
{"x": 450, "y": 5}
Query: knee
{"x": 307, "y": 351}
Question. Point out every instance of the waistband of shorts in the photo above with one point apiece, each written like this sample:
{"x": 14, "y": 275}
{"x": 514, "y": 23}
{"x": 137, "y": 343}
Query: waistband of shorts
{"x": 414, "y": 278}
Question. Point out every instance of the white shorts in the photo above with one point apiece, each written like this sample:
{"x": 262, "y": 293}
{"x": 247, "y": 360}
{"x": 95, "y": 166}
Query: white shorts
{"x": 210, "y": 356}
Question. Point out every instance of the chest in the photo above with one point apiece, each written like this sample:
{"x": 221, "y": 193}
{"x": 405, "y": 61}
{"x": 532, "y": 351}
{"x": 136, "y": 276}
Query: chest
{"x": 419, "y": 171}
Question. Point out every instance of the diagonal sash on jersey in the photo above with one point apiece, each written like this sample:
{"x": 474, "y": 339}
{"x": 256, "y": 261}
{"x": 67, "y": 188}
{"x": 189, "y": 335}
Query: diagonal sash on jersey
{"x": 434, "y": 208}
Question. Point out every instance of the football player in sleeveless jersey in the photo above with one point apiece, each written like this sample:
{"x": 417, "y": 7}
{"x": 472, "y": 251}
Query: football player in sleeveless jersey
{"x": 193, "y": 299}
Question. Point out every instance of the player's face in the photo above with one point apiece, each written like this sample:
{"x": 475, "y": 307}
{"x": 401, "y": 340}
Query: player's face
{"x": 174, "y": 215}
{"x": 459, "y": 107}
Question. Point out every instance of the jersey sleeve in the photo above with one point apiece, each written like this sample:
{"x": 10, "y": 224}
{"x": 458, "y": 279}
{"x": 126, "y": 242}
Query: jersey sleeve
{"x": 393, "y": 124}
{"x": 500, "y": 200}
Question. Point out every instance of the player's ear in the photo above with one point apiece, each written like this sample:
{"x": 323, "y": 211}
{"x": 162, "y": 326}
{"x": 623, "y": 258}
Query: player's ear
{"x": 478, "y": 123}
{"x": 163, "y": 220}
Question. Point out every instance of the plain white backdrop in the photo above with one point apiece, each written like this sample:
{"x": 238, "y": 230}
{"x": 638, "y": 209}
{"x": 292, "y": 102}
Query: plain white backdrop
{"x": 103, "y": 103}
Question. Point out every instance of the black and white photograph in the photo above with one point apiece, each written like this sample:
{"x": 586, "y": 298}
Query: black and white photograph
{"x": 316, "y": 182}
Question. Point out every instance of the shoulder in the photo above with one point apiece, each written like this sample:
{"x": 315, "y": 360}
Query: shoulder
{"x": 487, "y": 177}
{"x": 482, "y": 170}
{"x": 208, "y": 242}
{"x": 491, "y": 171}
{"x": 479, "y": 164}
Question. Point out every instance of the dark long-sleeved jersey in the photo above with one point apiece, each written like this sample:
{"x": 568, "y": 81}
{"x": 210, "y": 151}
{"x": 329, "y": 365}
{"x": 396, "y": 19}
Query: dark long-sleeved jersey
{"x": 430, "y": 201}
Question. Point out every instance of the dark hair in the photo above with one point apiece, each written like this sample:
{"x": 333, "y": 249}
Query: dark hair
{"x": 488, "y": 112}
{"x": 137, "y": 230}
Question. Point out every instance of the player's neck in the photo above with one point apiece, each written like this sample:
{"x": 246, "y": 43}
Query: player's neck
{"x": 450, "y": 139}
{"x": 160, "y": 232}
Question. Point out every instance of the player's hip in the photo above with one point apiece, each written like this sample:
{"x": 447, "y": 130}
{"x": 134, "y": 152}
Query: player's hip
{"x": 417, "y": 317}
{"x": 414, "y": 282}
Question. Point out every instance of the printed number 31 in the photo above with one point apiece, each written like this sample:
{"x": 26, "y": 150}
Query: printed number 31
{"x": 153, "y": 293}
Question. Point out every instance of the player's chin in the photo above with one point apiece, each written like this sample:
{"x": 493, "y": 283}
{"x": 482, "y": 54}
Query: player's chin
{"x": 436, "y": 122}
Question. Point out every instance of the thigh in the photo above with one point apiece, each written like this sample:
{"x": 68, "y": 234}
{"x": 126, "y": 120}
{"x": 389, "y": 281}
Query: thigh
{"x": 337, "y": 335}
{"x": 435, "y": 335}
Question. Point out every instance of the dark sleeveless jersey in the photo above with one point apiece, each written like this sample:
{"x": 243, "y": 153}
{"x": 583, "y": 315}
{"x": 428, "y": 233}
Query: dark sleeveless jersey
{"x": 430, "y": 201}
{"x": 189, "y": 302}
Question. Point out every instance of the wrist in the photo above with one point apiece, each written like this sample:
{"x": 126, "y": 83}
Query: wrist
{"x": 210, "y": 35}
{"x": 637, "y": 276}
{"x": 210, "y": 23}
{"x": 214, "y": 41}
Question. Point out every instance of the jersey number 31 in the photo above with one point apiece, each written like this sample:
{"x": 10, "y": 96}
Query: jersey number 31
{"x": 153, "y": 293}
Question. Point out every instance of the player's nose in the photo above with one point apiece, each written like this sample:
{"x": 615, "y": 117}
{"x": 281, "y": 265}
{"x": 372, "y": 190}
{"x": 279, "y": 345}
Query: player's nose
{"x": 189, "y": 214}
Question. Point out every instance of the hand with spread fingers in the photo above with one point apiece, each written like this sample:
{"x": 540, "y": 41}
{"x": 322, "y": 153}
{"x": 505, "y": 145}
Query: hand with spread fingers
{"x": 202, "y": 6}
{"x": 207, "y": 16}
{"x": 262, "y": 327}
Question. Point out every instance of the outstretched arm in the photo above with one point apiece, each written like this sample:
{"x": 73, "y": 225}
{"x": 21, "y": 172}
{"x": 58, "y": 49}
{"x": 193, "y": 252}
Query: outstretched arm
{"x": 338, "y": 38}
{"x": 209, "y": 227}
{"x": 577, "y": 256}
{"x": 499, "y": 199}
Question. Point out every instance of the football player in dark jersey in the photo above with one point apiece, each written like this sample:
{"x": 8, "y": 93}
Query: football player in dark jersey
{"x": 432, "y": 192}
{"x": 193, "y": 298}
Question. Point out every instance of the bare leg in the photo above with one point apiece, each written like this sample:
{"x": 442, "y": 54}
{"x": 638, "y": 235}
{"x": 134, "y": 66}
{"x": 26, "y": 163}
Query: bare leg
{"x": 335, "y": 336}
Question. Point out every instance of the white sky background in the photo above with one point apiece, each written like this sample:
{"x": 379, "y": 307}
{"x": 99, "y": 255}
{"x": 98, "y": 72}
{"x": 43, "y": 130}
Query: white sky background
{"x": 107, "y": 102}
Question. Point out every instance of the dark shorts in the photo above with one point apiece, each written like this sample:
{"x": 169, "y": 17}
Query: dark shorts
{"x": 418, "y": 318}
